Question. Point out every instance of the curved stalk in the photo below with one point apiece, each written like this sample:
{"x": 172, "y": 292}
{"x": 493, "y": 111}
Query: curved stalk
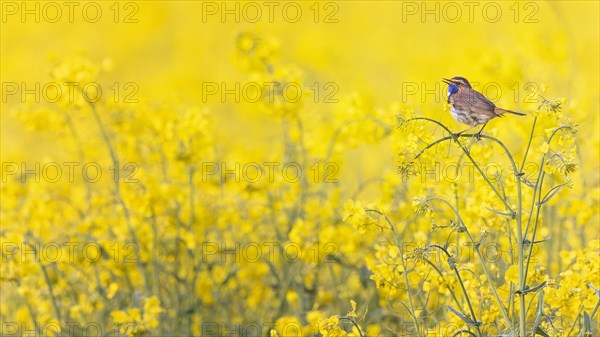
{"x": 462, "y": 286}
{"x": 405, "y": 274}
{"x": 481, "y": 260}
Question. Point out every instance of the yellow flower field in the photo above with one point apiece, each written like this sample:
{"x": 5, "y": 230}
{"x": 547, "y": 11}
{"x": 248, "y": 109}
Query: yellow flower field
{"x": 241, "y": 168}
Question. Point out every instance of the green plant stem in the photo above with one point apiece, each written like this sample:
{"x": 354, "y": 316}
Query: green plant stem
{"x": 462, "y": 286}
{"x": 406, "y": 281}
{"x": 468, "y": 154}
{"x": 575, "y": 321}
{"x": 537, "y": 191}
{"x": 481, "y": 260}
{"x": 516, "y": 215}
{"x": 528, "y": 144}
{"x": 535, "y": 224}
{"x": 117, "y": 193}
{"x": 51, "y": 291}
{"x": 444, "y": 278}
{"x": 354, "y": 323}
{"x": 53, "y": 299}
{"x": 520, "y": 259}
{"x": 460, "y": 332}
{"x": 405, "y": 274}
{"x": 595, "y": 309}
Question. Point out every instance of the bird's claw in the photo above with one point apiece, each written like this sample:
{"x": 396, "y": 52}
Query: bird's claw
{"x": 478, "y": 136}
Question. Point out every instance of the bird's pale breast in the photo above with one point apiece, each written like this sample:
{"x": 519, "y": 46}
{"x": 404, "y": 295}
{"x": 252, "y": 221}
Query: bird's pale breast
{"x": 463, "y": 116}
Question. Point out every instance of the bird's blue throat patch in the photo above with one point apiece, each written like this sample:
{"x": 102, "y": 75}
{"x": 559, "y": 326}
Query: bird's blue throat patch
{"x": 452, "y": 89}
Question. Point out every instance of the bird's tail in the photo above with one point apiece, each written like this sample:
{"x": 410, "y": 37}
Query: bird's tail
{"x": 501, "y": 111}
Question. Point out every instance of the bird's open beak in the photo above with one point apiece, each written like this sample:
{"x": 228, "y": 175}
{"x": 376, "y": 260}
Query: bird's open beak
{"x": 447, "y": 81}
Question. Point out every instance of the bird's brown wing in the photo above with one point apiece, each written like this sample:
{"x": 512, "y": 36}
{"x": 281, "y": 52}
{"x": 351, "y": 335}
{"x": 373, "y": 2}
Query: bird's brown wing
{"x": 479, "y": 104}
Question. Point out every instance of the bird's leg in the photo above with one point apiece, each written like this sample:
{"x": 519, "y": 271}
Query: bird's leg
{"x": 456, "y": 135}
{"x": 478, "y": 134}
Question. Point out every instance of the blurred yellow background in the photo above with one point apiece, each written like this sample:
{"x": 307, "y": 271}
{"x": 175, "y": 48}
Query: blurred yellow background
{"x": 372, "y": 49}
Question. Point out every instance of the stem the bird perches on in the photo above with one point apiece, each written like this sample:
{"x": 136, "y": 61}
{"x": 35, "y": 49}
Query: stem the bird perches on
{"x": 515, "y": 214}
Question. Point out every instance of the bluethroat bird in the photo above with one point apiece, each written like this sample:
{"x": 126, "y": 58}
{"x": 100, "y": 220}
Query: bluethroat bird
{"x": 471, "y": 107}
